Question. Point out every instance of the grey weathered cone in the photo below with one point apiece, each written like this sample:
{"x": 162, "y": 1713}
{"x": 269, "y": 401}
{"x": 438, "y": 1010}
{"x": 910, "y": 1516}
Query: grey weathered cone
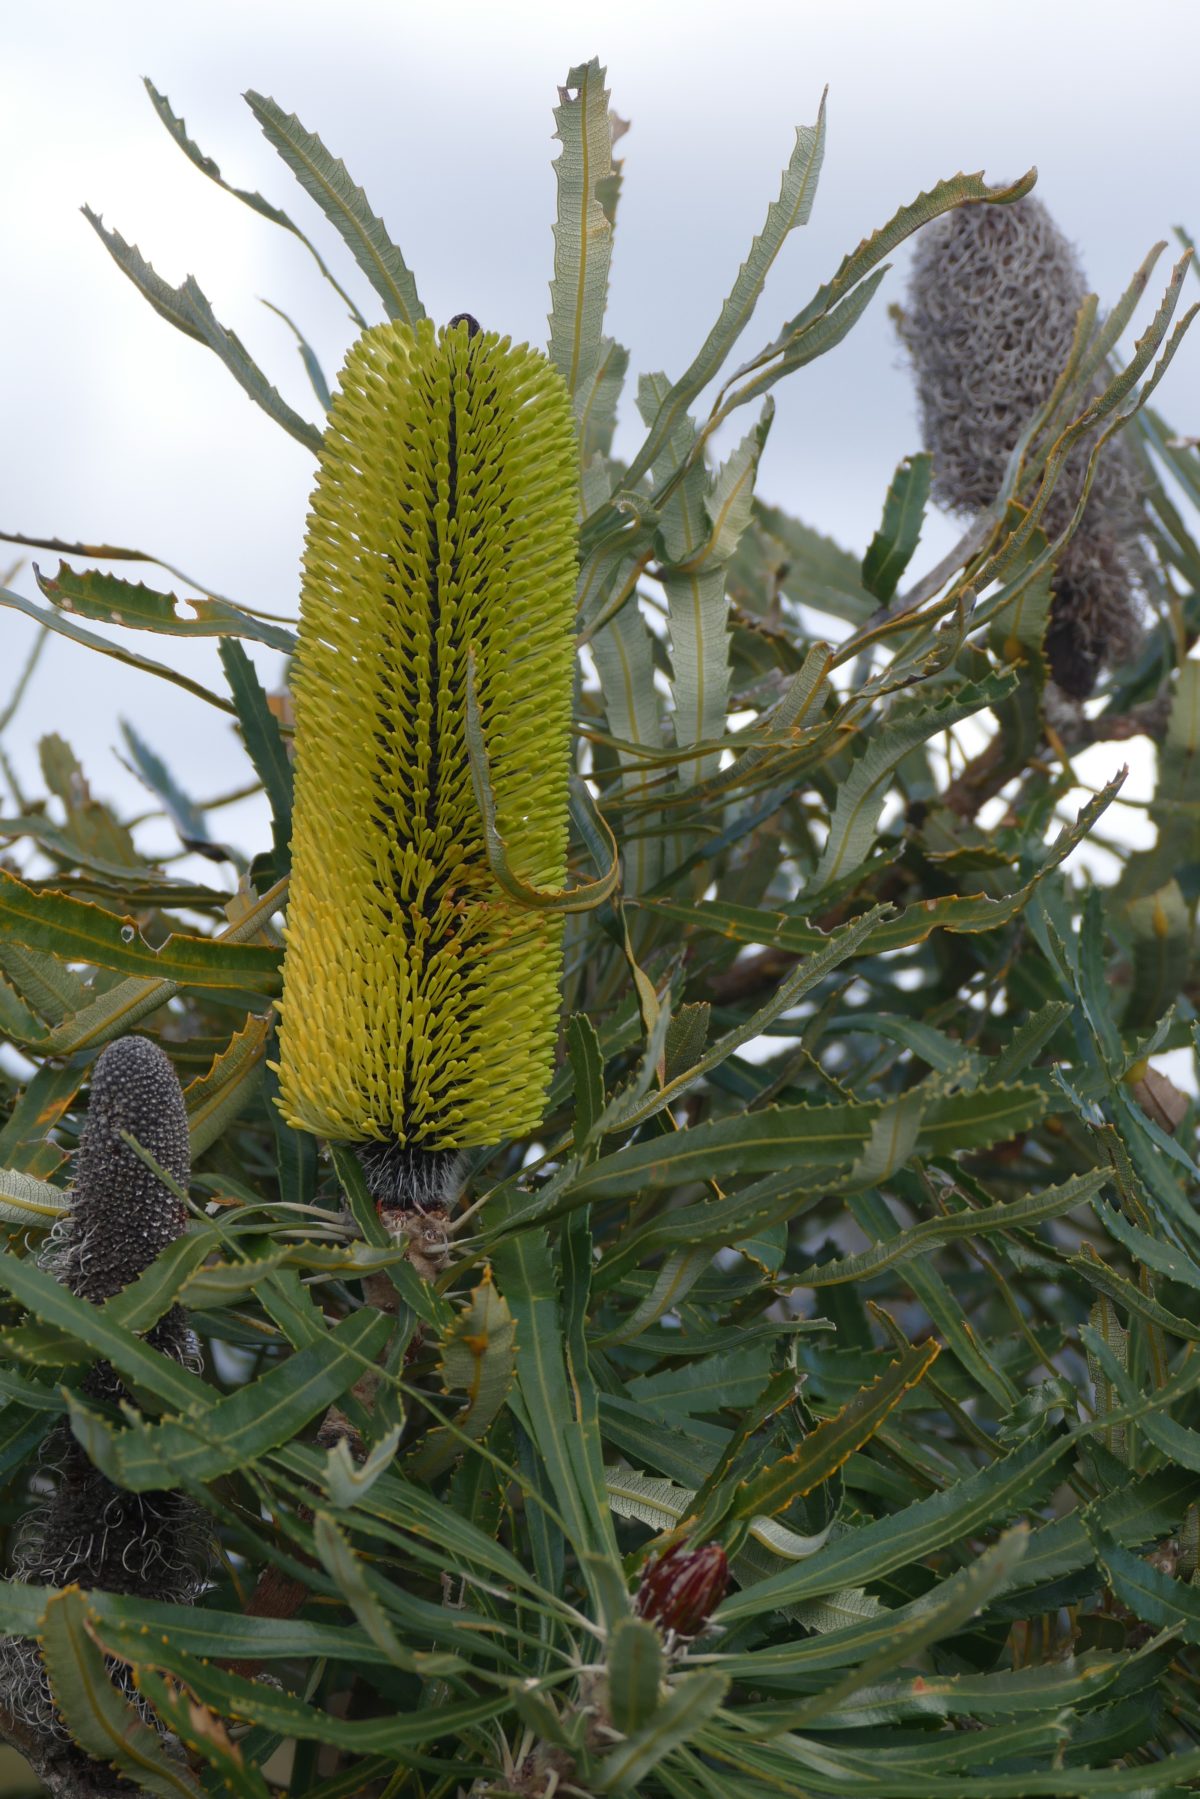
{"x": 993, "y": 300}
{"x": 156, "y": 1545}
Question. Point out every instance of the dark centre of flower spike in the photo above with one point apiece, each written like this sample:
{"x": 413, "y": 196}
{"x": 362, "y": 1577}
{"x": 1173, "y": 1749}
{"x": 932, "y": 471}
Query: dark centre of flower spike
{"x": 403, "y": 1177}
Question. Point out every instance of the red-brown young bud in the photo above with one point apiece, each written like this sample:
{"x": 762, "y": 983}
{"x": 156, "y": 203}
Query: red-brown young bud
{"x": 680, "y": 1590}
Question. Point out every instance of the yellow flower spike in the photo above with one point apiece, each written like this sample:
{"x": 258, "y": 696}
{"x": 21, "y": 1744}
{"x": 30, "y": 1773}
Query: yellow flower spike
{"x": 420, "y": 999}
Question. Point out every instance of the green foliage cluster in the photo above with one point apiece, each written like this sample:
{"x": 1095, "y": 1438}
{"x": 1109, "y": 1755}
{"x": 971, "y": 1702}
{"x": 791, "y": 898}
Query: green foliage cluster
{"x": 859, "y": 1236}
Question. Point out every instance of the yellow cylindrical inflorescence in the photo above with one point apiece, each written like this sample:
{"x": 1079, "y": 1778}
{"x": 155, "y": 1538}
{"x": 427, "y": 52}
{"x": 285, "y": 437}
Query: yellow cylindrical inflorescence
{"x": 421, "y": 1002}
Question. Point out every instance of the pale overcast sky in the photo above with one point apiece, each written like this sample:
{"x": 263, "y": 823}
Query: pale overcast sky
{"x": 118, "y": 429}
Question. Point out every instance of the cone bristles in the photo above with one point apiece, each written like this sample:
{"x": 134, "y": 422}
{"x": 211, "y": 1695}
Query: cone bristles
{"x": 420, "y": 1001}
{"x": 993, "y": 304}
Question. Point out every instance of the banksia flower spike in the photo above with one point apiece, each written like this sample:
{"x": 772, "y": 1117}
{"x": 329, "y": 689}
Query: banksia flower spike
{"x": 421, "y": 998}
{"x": 992, "y": 308}
{"x": 681, "y": 1589}
{"x": 122, "y": 1216}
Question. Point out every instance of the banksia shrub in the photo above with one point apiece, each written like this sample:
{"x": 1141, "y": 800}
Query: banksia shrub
{"x": 420, "y": 1000}
{"x": 846, "y": 1228}
{"x": 993, "y": 302}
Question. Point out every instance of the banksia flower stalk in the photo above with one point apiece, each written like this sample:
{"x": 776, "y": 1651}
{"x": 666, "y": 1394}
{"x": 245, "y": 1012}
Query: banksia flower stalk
{"x": 681, "y": 1589}
{"x": 121, "y": 1218}
{"x": 420, "y": 1000}
{"x": 992, "y": 307}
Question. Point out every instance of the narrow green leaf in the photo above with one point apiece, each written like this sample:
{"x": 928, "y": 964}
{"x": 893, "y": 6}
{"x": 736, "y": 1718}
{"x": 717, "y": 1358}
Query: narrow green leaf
{"x": 25, "y": 1141}
{"x": 834, "y": 949}
{"x": 264, "y": 745}
{"x": 78, "y": 931}
{"x": 892, "y": 546}
{"x": 113, "y": 601}
{"x": 931, "y": 1233}
{"x": 792, "y": 208}
{"x": 946, "y": 1609}
{"x": 185, "y": 815}
{"x": 861, "y": 795}
{"x": 803, "y": 1137}
{"x": 100, "y": 1719}
{"x": 257, "y": 1417}
{"x": 587, "y": 1063}
{"x": 178, "y": 130}
{"x": 635, "y": 1669}
{"x": 29, "y": 1203}
{"x": 64, "y": 626}
{"x": 165, "y": 299}
{"x": 827, "y": 1447}
{"x": 478, "y": 1360}
{"x": 326, "y": 180}
{"x": 350, "y": 1577}
{"x": 693, "y": 1700}
{"x": 126, "y": 1004}
{"x": 202, "y": 1732}
{"x": 215, "y": 1098}
{"x": 582, "y": 231}
{"x": 624, "y": 656}
{"x": 242, "y": 366}
{"x": 1157, "y": 1598}
{"x": 895, "y": 1540}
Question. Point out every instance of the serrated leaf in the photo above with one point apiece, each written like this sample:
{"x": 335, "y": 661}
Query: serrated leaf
{"x": 804, "y": 1137}
{"x": 165, "y": 299}
{"x": 873, "y": 1550}
{"x": 827, "y": 1447}
{"x": 950, "y": 1605}
{"x": 891, "y": 549}
{"x": 479, "y": 1358}
{"x": 693, "y": 1700}
{"x": 178, "y": 130}
{"x": 265, "y": 747}
{"x": 326, "y": 180}
{"x": 587, "y": 1065}
{"x": 203, "y": 1733}
{"x": 25, "y": 1140}
{"x": 64, "y": 626}
{"x": 730, "y": 500}
{"x": 662, "y": 1505}
{"x": 28, "y": 1202}
{"x": 78, "y": 931}
{"x": 113, "y": 601}
{"x": 625, "y": 664}
{"x": 347, "y": 1481}
{"x": 219, "y": 1437}
{"x": 101, "y": 1720}
{"x": 582, "y": 231}
{"x": 187, "y": 818}
{"x": 350, "y": 1576}
{"x": 1163, "y": 934}
{"x": 242, "y": 366}
{"x": 550, "y": 1410}
{"x": 126, "y": 1004}
{"x": 215, "y": 1098}
{"x": 792, "y": 209}
{"x": 861, "y": 795}
{"x": 1033, "y": 1208}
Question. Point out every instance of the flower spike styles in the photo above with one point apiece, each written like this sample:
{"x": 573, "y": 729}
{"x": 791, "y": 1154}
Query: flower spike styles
{"x": 420, "y": 1000}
